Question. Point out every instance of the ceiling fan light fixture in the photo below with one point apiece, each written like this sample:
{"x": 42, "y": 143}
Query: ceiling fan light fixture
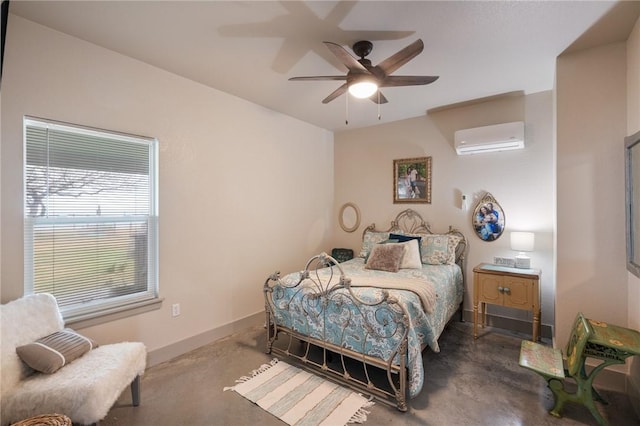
{"x": 363, "y": 89}
{"x": 363, "y": 80}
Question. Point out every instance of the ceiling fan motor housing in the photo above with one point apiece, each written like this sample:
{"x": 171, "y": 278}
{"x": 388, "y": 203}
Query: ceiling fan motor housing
{"x": 362, "y": 48}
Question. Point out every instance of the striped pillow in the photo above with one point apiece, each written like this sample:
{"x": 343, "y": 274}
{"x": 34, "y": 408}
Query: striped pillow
{"x": 50, "y": 353}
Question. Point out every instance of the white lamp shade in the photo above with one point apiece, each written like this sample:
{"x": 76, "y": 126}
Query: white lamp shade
{"x": 522, "y": 241}
{"x": 363, "y": 89}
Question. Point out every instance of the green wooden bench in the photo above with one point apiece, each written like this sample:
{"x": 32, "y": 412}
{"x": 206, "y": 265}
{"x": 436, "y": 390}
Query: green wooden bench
{"x": 548, "y": 362}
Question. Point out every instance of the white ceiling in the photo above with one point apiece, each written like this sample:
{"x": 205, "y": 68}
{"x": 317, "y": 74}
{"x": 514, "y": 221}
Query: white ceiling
{"x": 251, "y": 48}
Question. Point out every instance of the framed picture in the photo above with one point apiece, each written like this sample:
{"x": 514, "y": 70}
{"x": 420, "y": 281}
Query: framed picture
{"x": 488, "y": 219}
{"x": 412, "y": 180}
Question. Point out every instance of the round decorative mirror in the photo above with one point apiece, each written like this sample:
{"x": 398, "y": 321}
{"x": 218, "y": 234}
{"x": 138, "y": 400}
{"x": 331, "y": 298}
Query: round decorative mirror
{"x": 349, "y": 217}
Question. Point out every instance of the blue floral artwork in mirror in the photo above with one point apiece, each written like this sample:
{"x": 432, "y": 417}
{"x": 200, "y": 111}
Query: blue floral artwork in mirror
{"x": 488, "y": 219}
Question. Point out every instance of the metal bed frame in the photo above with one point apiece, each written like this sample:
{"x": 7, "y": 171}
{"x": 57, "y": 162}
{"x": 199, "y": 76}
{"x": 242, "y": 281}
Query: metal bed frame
{"x": 390, "y": 322}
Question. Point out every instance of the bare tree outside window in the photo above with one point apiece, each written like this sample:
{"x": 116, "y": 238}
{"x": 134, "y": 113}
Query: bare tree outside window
{"x": 85, "y": 186}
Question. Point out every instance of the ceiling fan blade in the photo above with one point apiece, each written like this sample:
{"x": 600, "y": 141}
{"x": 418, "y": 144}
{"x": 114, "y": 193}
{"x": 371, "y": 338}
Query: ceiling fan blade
{"x": 319, "y": 77}
{"x": 407, "y": 80}
{"x": 378, "y": 100}
{"x": 345, "y": 57}
{"x": 339, "y": 91}
{"x": 400, "y": 58}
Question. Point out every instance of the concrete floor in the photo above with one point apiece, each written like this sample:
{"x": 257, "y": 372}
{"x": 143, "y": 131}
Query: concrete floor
{"x": 470, "y": 382}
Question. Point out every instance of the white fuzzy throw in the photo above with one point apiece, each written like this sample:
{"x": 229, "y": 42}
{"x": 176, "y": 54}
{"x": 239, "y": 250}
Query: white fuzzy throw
{"x": 84, "y": 390}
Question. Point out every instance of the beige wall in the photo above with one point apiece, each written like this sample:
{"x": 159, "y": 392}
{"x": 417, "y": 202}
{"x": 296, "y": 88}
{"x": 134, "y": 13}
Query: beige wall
{"x": 218, "y": 154}
{"x": 235, "y": 178}
{"x": 633, "y": 126}
{"x": 521, "y": 181}
{"x": 591, "y": 126}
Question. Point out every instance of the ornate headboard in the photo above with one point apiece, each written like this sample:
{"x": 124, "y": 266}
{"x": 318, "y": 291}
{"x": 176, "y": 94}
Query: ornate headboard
{"x": 410, "y": 222}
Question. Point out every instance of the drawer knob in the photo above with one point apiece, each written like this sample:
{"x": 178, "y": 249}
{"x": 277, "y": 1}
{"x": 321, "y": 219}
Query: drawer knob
{"x": 501, "y": 289}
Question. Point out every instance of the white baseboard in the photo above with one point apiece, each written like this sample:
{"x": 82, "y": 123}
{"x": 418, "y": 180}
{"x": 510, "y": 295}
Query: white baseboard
{"x": 610, "y": 379}
{"x": 511, "y": 324}
{"x": 169, "y": 352}
{"x": 633, "y": 385}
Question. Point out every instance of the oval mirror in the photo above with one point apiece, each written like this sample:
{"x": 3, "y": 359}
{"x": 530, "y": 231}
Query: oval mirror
{"x": 349, "y": 217}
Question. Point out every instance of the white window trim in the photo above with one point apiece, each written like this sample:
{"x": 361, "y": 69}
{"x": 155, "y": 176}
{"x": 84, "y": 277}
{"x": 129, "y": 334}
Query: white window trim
{"x": 117, "y": 307}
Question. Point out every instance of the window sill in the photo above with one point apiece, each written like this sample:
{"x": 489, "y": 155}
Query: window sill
{"x": 101, "y": 317}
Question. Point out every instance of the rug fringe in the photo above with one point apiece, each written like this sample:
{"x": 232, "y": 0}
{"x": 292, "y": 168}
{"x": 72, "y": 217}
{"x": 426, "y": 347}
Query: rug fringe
{"x": 264, "y": 367}
{"x": 360, "y": 416}
{"x": 254, "y": 373}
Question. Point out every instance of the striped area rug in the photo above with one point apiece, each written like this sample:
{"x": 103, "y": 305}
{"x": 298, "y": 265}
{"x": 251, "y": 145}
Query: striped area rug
{"x": 300, "y": 398}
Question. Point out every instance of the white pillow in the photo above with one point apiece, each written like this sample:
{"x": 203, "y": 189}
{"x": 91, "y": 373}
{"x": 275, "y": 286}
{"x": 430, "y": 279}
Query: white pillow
{"x": 411, "y": 258}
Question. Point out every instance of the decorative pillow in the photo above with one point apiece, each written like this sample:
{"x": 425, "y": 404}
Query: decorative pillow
{"x": 453, "y": 245}
{"x": 54, "y": 351}
{"x": 439, "y": 249}
{"x": 408, "y": 237}
{"x": 385, "y": 257}
{"x": 369, "y": 239}
{"x": 381, "y": 242}
{"x": 405, "y": 237}
{"x": 411, "y": 258}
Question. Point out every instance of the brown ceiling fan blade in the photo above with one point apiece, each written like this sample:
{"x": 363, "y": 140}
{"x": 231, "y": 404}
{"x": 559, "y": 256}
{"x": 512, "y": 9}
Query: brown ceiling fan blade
{"x": 319, "y": 77}
{"x": 400, "y": 58}
{"x": 407, "y": 80}
{"x": 345, "y": 57}
{"x": 339, "y": 91}
{"x": 378, "y": 100}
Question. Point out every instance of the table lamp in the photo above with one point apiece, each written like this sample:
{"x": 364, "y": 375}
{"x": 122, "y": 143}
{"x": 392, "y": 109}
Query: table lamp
{"x": 522, "y": 242}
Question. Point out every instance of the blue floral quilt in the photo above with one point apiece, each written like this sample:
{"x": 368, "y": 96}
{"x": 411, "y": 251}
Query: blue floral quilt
{"x": 372, "y": 330}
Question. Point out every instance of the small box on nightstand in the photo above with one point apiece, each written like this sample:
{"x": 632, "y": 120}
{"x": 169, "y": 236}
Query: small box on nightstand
{"x": 504, "y": 261}
{"x": 522, "y": 262}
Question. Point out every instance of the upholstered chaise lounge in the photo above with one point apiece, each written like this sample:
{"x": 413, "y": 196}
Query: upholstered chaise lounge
{"x": 83, "y": 389}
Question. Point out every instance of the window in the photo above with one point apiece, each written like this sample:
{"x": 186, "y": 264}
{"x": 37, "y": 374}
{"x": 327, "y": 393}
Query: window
{"x": 91, "y": 218}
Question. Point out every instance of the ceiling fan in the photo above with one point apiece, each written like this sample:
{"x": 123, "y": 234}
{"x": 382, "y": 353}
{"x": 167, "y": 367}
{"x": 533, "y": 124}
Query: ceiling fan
{"x": 363, "y": 79}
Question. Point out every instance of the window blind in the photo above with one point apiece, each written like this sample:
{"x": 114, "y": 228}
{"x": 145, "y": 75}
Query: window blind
{"x": 90, "y": 216}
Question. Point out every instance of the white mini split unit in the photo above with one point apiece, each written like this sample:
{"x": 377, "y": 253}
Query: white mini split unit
{"x": 499, "y": 137}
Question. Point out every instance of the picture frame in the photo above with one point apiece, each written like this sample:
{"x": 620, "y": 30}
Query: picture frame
{"x": 488, "y": 219}
{"x": 412, "y": 180}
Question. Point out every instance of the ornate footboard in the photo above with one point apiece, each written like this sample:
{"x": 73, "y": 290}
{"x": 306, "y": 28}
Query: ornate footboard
{"x": 329, "y": 327}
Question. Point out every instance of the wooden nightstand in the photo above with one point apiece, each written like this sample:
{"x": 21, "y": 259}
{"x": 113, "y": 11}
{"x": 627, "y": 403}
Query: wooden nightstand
{"x": 510, "y": 287}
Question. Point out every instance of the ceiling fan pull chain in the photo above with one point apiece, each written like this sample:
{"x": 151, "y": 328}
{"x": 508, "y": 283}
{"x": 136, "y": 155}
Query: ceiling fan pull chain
{"x": 379, "y": 105}
{"x": 346, "y": 113}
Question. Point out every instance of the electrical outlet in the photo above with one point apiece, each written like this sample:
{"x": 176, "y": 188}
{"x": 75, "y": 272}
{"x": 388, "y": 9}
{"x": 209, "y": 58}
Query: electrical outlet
{"x": 175, "y": 309}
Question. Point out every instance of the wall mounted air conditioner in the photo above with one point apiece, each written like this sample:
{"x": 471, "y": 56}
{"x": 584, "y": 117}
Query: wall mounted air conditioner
{"x": 499, "y": 137}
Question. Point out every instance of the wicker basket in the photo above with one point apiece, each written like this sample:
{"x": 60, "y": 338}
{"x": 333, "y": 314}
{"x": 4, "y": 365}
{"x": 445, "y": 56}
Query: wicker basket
{"x": 45, "y": 420}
